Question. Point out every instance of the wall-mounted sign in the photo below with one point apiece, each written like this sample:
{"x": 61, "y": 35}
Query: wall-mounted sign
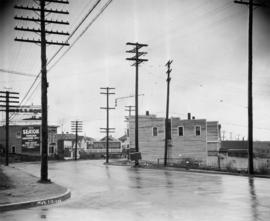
{"x": 31, "y": 138}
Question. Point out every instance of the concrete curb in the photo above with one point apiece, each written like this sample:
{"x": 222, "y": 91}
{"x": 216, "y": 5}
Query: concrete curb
{"x": 209, "y": 172}
{"x": 35, "y": 203}
{"x": 197, "y": 171}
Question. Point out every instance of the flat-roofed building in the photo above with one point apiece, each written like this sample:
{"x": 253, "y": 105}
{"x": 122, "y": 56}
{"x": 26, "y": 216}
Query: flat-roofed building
{"x": 25, "y": 138}
{"x": 190, "y": 138}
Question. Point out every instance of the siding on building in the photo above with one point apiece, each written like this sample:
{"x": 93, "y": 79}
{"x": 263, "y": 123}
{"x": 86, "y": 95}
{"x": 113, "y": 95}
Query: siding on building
{"x": 213, "y": 136}
{"x": 152, "y": 147}
{"x": 189, "y": 145}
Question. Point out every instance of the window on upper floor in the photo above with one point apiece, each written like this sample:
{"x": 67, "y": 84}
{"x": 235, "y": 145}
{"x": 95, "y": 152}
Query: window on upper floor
{"x": 198, "y": 130}
{"x": 180, "y": 131}
{"x": 154, "y": 131}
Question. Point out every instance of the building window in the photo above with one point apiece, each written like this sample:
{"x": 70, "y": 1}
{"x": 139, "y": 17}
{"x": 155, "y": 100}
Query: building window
{"x": 18, "y": 135}
{"x": 180, "y": 131}
{"x": 51, "y": 149}
{"x": 198, "y": 130}
{"x": 154, "y": 132}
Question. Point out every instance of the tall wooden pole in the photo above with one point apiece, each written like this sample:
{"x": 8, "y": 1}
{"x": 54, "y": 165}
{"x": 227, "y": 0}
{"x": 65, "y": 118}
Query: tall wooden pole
{"x": 44, "y": 84}
{"x": 44, "y": 101}
{"x": 76, "y": 127}
{"x": 76, "y": 140}
{"x": 137, "y": 61}
{"x": 250, "y": 98}
{"x": 136, "y": 105}
{"x": 7, "y": 128}
{"x": 7, "y": 100}
{"x": 107, "y": 130}
{"x": 167, "y": 112}
{"x": 250, "y": 3}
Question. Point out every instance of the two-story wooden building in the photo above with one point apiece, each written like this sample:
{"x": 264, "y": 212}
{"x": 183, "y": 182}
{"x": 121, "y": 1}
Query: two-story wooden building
{"x": 190, "y": 138}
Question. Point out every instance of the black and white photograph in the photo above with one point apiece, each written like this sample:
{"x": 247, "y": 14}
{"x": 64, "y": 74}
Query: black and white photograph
{"x": 135, "y": 110}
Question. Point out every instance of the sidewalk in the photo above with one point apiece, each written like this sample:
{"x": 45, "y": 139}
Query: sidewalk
{"x": 22, "y": 190}
{"x": 145, "y": 165}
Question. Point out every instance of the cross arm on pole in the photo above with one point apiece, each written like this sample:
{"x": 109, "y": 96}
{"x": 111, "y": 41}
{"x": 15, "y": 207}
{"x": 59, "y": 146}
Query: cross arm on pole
{"x": 248, "y": 2}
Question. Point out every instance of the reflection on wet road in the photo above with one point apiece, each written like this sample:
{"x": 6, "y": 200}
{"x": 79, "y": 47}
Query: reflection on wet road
{"x": 101, "y": 192}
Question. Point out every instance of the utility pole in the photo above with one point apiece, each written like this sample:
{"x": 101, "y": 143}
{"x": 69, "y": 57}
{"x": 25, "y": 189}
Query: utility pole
{"x": 223, "y": 134}
{"x": 107, "y": 130}
{"x": 129, "y": 109}
{"x": 137, "y": 61}
{"x": 40, "y": 10}
{"x": 7, "y": 98}
{"x": 167, "y": 112}
{"x": 76, "y": 127}
{"x": 250, "y": 3}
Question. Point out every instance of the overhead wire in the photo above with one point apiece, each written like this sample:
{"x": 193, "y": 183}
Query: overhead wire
{"x": 76, "y": 29}
{"x": 82, "y": 33}
{"x": 104, "y": 7}
{"x": 56, "y": 63}
{"x": 73, "y": 32}
{"x": 51, "y": 59}
{"x": 75, "y": 41}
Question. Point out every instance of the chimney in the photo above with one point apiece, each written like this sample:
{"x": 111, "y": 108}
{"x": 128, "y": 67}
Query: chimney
{"x": 193, "y": 118}
{"x": 147, "y": 113}
{"x": 189, "y": 116}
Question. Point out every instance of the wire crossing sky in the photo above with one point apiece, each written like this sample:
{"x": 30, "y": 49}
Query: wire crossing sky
{"x": 206, "y": 39}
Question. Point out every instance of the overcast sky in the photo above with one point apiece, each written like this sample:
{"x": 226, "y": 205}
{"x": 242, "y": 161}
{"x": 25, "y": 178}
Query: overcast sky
{"x": 206, "y": 39}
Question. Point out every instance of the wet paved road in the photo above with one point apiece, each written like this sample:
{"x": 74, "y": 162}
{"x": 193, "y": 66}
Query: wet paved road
{"x": 102, "y": 192}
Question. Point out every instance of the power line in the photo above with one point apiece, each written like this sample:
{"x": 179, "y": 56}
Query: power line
{"x": 82, "y": 33}
{"x": 76, "y": 28}
{"x": 17, "y": 73}
{"x": 73, "y": 32}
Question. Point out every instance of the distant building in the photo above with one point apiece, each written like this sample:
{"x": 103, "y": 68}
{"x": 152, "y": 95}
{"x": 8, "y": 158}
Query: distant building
{"x": 125, "y": 145}
{"x": 66, "y": 144}
{"x": 124, "y": 141}
{"x": 233, "y": 155}
{"x": 99, "y": 147}
{"x": 239, "y": 148}
{"x": 25, "y": 138}
{"x": 190, "y": 138}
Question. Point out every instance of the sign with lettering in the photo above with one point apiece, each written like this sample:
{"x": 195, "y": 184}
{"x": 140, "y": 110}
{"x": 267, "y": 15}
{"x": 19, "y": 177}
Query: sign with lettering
{"x": 31, "y": 137}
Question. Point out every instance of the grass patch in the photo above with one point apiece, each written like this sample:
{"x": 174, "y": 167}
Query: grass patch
{"x": 5, "y": 182}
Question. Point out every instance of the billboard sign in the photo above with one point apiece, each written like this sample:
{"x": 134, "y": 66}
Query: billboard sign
{"x": 31, "y": 138}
